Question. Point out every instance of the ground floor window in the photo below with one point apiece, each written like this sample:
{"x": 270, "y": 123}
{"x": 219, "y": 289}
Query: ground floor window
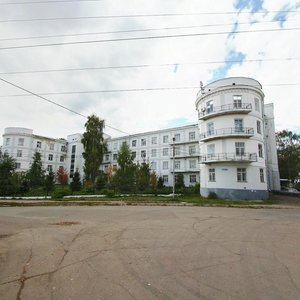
{"x": 241, "y": 175}
{"x": 165, "y": 178}
{"x": 261, "y": 175}
{"x": 18, "y": 165}
{"x": 193, "y": 178}
{"x": 212, "y": 174}
{"x": 50, "y": 168}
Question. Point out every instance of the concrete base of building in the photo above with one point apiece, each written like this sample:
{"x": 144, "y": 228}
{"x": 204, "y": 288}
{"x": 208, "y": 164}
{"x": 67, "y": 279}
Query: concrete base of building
{"x": 234, "y": 194}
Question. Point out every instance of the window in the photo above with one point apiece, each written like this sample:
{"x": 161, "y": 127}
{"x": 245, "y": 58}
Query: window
{"x": 7, "y": 141}
{"x": 210, "y": 150}
{"x": 241, "y": 175}
{"x": 192, "y": 150}
{"x": 51, "y": 146}
{"x": 258, "y": 125}
{"x": 63, "y": 148}
{"x": 114, "y": 167}
{"x": 193, "y": 164}
{"x": 193, "y": 178}
{"x": 19, "y": 153}
{"x": 165, "y": 151}
{"x": 165, "y": 139}
{"x": 133, "y": 143}
{"x": 18, "y": 165}
{"x": 50, "y": 157}
{"x": 154, "y": 165}
{"x": 143, "y": 142}
{"x": 133, "y": 154}
{"x": 106, "y": 157}
{"x": 115, "y": 156}
{"x": 237, "y": 101}
{"x": 238, "y": 125}
{"x": 177, "y": 164}
{"x": 260, "y": 150}
{"x": 115, "y": 146}
{"x": 154, "y": 140}
{"x": 49, "y": 168}
{"x": 153, "y": 153}
{"x": 143, "y": 154}
{"x": 39, "y": 144}
{"x": 165, "y": 178}
{"x": 210, "y": 129}
{"x": 177, "y": 137}
{"x": 61, "y": 159}
{"x": 21, "y": 142}
{"x": 209, "y": 106}
{"x": 261, "y": 175}
{"x": 165, "y": 165}
{"x": 256, "y": 103}
{"x": 72, "y": 165}
{"x": 192, "y": 136}
{"x": 177, "y": 151}
{"x": 211, "y": 175}
{"x": 240, "y": 148}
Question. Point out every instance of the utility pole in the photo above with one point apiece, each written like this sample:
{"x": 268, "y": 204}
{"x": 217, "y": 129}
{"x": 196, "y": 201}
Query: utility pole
{"x": 173, "y": 146}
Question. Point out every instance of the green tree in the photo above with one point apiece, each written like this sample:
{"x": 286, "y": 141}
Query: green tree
{"x": 76, "y": 185}
{"x": 124, "y": 178}
{"x": 101, "y": 180}
{"x": 160, "y": 182}
{"x": 36, "y": 173}
{"x": 153, "y": 180}
{"x": 7, "y": 168}
{"x": 288, "y": 150}
{"x": 179, "y": 181}
{"x": 94, "y": 147}
{"x": 143, "y": 176}
{"x": 49, "y": 182}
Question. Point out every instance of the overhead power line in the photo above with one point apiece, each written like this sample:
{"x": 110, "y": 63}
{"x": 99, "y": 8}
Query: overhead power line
{"x": 42, "y": 2}
{"x": 131, "y": 90}
{"x": 150, "y": 65}
{"x": 138, "y": 30}
{"x": 147, "y": 38}
{"x": 146, "y": 16}
{"x": 55, "y": 103}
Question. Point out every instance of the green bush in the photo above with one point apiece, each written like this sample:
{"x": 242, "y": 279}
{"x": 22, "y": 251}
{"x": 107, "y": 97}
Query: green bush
{"x": 212, "y": 195}
{"x": 60, "y": 193}
{"x": 107, "y": 192}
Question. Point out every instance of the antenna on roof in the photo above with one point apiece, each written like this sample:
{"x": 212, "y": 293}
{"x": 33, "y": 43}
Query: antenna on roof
{"x": 201, "y": 88}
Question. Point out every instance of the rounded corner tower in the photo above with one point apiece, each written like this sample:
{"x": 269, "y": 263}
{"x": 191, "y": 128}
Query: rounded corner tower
{"x": 232, "y": 149}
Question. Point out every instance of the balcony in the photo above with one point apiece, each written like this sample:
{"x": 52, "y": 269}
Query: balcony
{"x": 228, "y": 157}
{"x": 244, "y": 132}
{"x": 238, "y": 108}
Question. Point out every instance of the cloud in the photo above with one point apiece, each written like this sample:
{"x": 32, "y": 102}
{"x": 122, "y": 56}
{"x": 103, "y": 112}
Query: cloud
{"x": 282, "y": 16}
{"x": 222, "y": 71}
{"x": 150, "y": 110}
{"x": 253, "y": 5}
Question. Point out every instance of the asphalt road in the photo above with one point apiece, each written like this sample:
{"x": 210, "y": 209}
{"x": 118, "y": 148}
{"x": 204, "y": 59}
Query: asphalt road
{"x": 149, "y": 253}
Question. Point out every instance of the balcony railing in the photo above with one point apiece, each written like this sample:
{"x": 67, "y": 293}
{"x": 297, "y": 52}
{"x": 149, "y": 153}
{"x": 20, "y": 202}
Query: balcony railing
{"x": 228, "y": 157}
{"x": 227, "y": 132}
{"x": 225, "y": 109}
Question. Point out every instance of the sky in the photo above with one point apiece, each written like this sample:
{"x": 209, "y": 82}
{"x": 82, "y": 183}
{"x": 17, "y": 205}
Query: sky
{"x": 221, "y": 39}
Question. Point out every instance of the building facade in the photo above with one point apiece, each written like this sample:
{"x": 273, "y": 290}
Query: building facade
{"x": 167, "y": 151}
{"x": 238, "y": 158}
{"x": 231, "y": 151}
{"x": 21, "y": 144}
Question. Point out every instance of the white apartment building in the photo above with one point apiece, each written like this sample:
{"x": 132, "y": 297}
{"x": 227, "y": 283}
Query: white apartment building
{"x": 21, "y": 144}
{"x": 156, "y": 148}
{"x": 231, "y": 151}
{"x": 238, "y": 158}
